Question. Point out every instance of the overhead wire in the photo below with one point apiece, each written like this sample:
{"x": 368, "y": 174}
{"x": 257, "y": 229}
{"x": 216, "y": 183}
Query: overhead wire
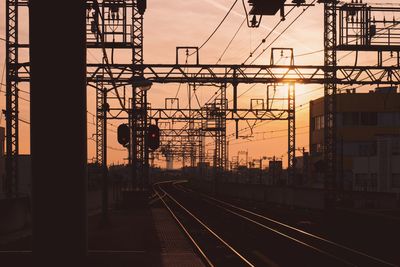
{"x": 266, "y": 37}
{"x": 281, "y": 33}
{"x": 216, "y": 29}
{"x": 230, "y": 42}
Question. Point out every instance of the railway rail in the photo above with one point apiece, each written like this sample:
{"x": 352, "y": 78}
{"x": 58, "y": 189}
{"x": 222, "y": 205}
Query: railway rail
{"x": 213, "y": 249}
{"x": 210, "y": 210}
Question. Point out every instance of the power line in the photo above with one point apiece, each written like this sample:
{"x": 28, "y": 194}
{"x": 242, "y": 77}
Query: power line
{"x": 265, "y": 49}
{"x": 216, "y": 29}
{"x": 310, "y": 53}
{"x": 266, "y": 37}
{"x": 263, "y": 139}
{"x": 230, "y": 42}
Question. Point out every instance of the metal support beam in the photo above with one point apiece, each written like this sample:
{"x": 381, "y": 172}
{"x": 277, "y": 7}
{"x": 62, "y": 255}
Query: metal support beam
{"x": 12, "y": 80}
{"x": 291, "y": 134}
{"x": 104, "y": 206}
{"x": 140, "y": 160}
{"x": 330, "y": 90}
{"x": 99, "y": 121}
{"x": 218, "y": 74}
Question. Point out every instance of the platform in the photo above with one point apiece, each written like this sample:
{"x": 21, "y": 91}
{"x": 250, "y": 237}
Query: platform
{"x": 140, "y": 237}
{"x": 175, "y": 247}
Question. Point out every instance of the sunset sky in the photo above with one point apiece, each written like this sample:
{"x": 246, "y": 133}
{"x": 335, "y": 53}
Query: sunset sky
{"x": 168, "y": 24}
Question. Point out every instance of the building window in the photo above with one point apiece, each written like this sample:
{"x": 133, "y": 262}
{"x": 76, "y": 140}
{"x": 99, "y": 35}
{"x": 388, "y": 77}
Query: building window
{"x": 369, "y": 118}
{"x": 350, "y": 118}
{"x": 363, "y": 182}
{"x": 318, "y": 123}
{"x": 367, "y": 149}
{"x": 317, "y": 148}
{"x": 314, "y": 148}
{"x": 320, "y": 148}
{"x": 312, "y": 121}
{"x": 396, "y": 147}
{"x": 396, "y": 180}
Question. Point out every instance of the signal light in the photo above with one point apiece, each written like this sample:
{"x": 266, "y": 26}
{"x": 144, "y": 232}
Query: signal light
{"x": 123, "y": 134}
{"x": 153, "y": 137}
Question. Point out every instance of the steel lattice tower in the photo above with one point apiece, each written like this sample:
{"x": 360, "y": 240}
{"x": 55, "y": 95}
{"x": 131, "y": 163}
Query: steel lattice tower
{"x": 330, "y": 90}
{"x": 140, "y": 153}
{"x": 291, "y": 133}
{"x": 14, "y": 68}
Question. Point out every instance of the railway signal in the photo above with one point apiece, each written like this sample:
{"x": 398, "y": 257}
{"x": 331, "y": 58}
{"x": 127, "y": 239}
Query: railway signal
{"x": 123, "y": 134}
{"x": 153, "y": 137}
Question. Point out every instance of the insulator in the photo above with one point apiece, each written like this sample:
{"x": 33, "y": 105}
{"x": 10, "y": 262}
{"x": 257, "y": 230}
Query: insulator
{"x": 254, "y": 21}
{"x": 372, "y": 30}
{"x": 93, "y": 27}
{"x": 298, "y": 2}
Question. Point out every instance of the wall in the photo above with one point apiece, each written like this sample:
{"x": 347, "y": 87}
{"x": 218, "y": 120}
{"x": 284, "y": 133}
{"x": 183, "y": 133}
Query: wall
{"x": 296, "y": 196}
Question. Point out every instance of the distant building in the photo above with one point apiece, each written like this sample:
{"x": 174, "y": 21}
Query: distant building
{"x": 275, "y": 172}
{"x": 368, "y": 134}
{"x": 2, "y": 162}
{"x": 24, "y": 170}
{"x": 24, "y": 175}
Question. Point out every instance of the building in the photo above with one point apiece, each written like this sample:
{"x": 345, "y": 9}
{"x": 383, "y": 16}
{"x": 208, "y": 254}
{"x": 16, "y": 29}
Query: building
{"x": 24, "y": 170}
{"x": 368, "y": 132}
{"x": 2, "y": 163}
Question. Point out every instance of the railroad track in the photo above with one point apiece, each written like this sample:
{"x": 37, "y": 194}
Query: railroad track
{"x": 214, "y": 250}
{"x": 338, "y": 254}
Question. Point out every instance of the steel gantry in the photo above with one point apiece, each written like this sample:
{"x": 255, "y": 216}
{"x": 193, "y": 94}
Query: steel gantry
{"x": 247, "y": 74}
{"x": 117, "y": 26}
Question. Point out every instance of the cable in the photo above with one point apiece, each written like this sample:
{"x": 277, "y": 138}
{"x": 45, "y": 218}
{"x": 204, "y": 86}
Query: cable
{"x": 2, "y": 75}
{"x": 24, "y": 121}
{"x": 310, "y": 53}
{"x": 216, "y": 29}
{"x": 304, "y": 10}
{"x": 266, "y": 37}
{"x": 230, "y": 42}
{"x": 263, "y": 139}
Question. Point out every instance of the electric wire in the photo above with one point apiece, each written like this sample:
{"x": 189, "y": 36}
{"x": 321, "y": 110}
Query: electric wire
{"x": 230, "y": 42}
{"x": 216, "y": 29}
{"x": 281, "y": 33}
{"x": 266, "y": 37}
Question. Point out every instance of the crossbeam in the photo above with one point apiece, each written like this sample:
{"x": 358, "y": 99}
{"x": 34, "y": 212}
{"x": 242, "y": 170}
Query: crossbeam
{"x": 235, "y": 74}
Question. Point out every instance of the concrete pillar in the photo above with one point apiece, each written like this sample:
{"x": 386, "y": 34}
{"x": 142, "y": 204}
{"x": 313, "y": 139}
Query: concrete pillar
{"x": 58, "y": 131}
